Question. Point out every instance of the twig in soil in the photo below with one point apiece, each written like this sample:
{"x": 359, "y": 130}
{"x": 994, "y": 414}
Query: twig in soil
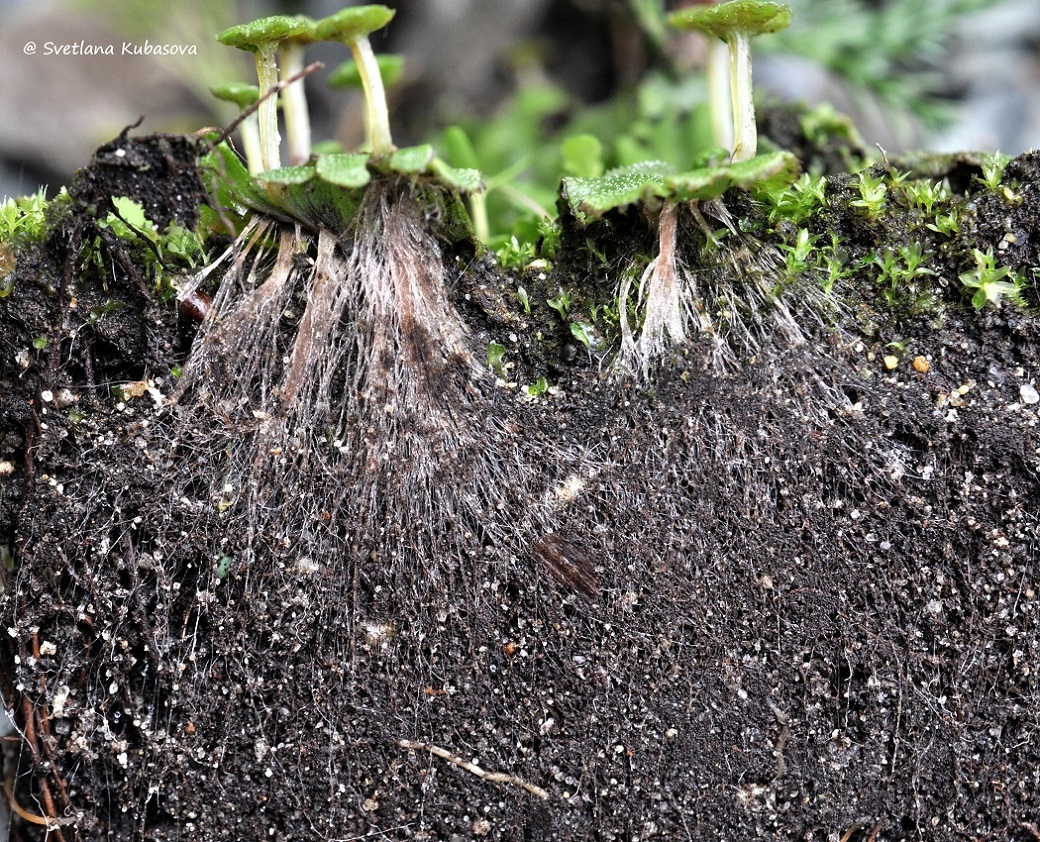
{"x": 847, "y": 835}
{"x": 494, "y": 777}
{"x": 52, "y": 825}
{"x": 876, "y": 830}
{"x": 1032, "y": 830}
{"x": 49, "y": 821}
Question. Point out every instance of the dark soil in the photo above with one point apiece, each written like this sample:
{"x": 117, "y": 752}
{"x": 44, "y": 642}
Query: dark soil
{"x": 791, "y": 598}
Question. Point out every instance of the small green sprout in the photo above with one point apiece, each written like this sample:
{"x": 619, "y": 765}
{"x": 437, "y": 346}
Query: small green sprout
{"x": 524, "y": 298}
{"x": 23, "y": 219}
{"x": 736, "y": 23}
{"x": 798, "y": 202}
{"x": 514, "y": 254}
{"x": 352, "y": 26}
{"x": 799, "y": 254}
{"x": 39, "y": 343}
{"x": 993, "y": 170}
{"x": 992, "y": 283}
{"x": 873, "y": 192}
{"x": 899, "y": 269}
{"x": 925, "y": 195}
{"x": 832, "y": 261}
{"x": 947, "y": 224}
{"x": 582, "y": 332}
{"x": 561, "y": 304}
{"x": 537, "y": 389}
{"x": 496, "y": 354}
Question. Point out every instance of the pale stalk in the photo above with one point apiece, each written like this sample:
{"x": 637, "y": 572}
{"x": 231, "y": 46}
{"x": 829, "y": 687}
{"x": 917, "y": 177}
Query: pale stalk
{"x": 479, "y": 214}
{"x": 721, "y": 102}
{"x": 251, "y": 144}
{"x": 267, "y": 111}
{"x": 294, "y": 105}
{"x": 377, "y": 116}
{"x": 745, "y": 134}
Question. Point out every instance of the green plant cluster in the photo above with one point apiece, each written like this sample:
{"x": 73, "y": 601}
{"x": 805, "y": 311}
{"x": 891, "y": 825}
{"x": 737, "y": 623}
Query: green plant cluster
{"x": 512, "y": 175}
{"x": 161, "y": 256}
{"x": 23, "y": 222}
{"x": 907, "y": 275}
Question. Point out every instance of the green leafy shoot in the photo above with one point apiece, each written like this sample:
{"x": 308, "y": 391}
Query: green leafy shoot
{"x": 899, "y": 269}
{"x": 798, "y": 256}
{"x": 946, "y": 224}
{"x": 925, "y": 194}
{"x": 524, "y": 299}
{"x": 993, "y": 170}
{"x": 562, "y": 303}
{"x": 992, "y": 283}
{"x": 798, "y": 201}
{"x": 23, "y": 219}
{"x": 163, "y": 254}
{"x": 516, "y": 254}
{"x": 873, "y": 194}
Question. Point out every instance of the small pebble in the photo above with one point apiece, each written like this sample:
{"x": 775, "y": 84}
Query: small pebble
{"x": 1029, "y": 394}
{"x": 891, "y": 361}
{"x": 921, "y": 365}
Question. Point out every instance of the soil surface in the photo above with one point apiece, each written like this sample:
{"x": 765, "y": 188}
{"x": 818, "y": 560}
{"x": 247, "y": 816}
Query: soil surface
{"x": 788, "y": 594}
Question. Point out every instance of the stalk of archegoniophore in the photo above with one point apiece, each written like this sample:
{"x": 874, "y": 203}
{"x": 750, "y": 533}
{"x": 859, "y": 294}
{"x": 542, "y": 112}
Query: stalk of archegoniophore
{"x": 294, "y": 97}
{"x": 745, "y": 132}
{"x": 352, "y": 26}
{"x": 262, "y": 38}
{"x": 377, "y": 115}
{"x": 736, "y": 23}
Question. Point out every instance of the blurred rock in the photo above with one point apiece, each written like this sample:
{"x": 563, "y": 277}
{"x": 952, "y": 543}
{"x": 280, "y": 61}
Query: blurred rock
{"x": 995, "y": 70}
{"x": 58, "y": 108}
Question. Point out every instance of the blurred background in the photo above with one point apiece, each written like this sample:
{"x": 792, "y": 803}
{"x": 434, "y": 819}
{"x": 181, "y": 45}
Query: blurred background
{"x": 939, "y": 74}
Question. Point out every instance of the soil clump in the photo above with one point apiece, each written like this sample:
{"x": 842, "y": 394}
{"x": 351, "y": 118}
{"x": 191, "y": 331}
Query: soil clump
{"x": 791, "y": 597}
